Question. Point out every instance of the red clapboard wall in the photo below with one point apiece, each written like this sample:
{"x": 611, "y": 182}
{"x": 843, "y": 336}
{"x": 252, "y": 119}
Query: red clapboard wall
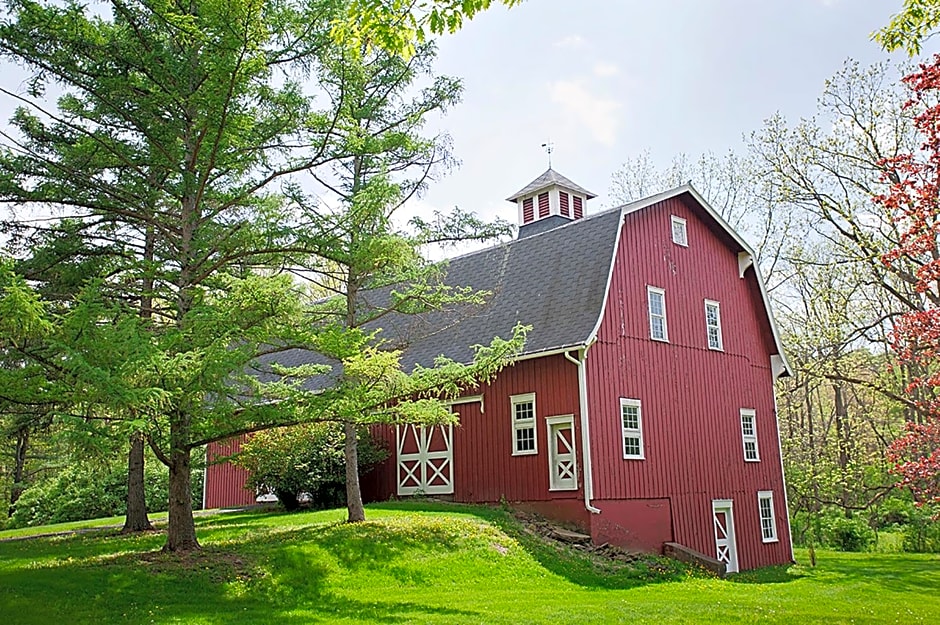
{"x": 691, "y": 396}
{"x": 224, "y": 482}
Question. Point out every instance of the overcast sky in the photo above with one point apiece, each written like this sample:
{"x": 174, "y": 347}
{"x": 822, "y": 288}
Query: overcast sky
{"x": 607, "y": 79}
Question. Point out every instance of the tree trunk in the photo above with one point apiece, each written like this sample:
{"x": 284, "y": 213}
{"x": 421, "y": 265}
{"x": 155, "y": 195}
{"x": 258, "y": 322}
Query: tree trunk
{"x": 353, "y": 493}
{"x": 19, "y": 466}
{"x": 181, "y": 528}
{"x": 136, "y": 519}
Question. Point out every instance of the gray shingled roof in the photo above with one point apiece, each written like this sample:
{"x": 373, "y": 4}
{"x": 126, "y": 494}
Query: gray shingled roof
{"x": 553, "y": 281}
{"x": 547, "y": 179}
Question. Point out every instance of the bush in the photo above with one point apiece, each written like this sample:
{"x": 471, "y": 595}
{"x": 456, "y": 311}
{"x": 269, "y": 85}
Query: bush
{"x": 847, "y": 534}
{"x": 306, "y": 459}
{"x": 83, "y": 491}
{"x": 922, "y": 531}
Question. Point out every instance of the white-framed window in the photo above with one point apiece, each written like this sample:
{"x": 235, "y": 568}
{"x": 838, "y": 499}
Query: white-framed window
{"x": 749, "y": 435}
{"x": 713, "y": 324}
{"x": 768, "y": 519}
{"x": 680, "y": 234}
{"x": 631, "y": 421}
{"x": 657, "y": 307}
{"x": 523, "y": 425}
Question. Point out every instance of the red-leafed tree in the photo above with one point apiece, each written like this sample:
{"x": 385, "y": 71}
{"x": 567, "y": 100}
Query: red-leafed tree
{"x": 914, "y": 201}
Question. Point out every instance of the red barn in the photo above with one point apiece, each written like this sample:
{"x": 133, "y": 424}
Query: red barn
{"x": 643, "y": 407}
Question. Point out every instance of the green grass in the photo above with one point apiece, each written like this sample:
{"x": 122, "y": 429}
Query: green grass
{"x": 57, "y": 528}
{"x": 428, "y": 563}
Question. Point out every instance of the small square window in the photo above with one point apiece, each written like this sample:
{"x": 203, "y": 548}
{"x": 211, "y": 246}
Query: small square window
{"x": 680, "y": 234}
{"x": 749, "y": 435}
{"x": 656, "y": 299}
{"x": 631, "y": 419}
{"x": 768, "y": 519}
{"x": 523, "y": 424}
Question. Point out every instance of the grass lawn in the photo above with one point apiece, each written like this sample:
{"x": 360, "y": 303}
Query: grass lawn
{"x": 428, "y": 563}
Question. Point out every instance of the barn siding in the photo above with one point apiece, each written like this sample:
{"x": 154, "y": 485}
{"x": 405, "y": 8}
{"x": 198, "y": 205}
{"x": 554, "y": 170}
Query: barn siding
{"x": 224, "y": 482}
{"x": 485, "y": 470}
{"x": 691, "y": 396}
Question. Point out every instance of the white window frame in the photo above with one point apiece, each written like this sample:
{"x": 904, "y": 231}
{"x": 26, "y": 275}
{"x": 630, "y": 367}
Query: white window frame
{"x": 523, "y": 424}
{"x": 650, "y": 292}
{"x": 749, "y": 413}
{"x": 719, "y": 346}
{"x": 674, "y": 221}
{"x": 768, "y": 496}
{"x": 636, "y": 432}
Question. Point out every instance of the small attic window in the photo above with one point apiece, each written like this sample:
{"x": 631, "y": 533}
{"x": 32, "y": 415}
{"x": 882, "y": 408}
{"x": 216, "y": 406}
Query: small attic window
{"x": 680, "y": 235}
{"x": 578, "y": 207}
{"x": 563, "y": 202}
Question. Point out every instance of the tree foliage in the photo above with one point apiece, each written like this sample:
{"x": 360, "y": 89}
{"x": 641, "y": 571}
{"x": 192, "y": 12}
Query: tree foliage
{"x": 908, "y": 28}
{"x": 913, "y": 199}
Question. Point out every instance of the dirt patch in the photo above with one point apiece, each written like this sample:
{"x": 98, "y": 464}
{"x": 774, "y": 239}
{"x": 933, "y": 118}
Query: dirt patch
{"x": 560, "y": 535}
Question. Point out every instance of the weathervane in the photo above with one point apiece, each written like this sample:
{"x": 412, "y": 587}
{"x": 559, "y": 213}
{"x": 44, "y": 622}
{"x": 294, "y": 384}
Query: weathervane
{"x": 549, "y": 148}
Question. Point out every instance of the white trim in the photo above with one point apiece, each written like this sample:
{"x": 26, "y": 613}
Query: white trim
{"x": 467, "y": 399}
{"x": 650, "y": 291}
{"x": 610, "y": 276}
{"x": 553, "y": 483}
{"x": 675, "y": 220}
{"x": 752, "y": 437}
{"x": 721, "y": 343}
{"x": 728, "y": 506}
{"x": 635, "y": 432}
{"x": 581, "y": 363}
{"x": 762, "y": 496}
{"x": 783, "y": 477}
{"x": 745, "y": 260}
{"x": 532, "y": 422}
{"x": 205, "y": 475}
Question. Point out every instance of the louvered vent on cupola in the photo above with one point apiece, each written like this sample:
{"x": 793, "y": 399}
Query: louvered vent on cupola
{"x": 549, "y": 201}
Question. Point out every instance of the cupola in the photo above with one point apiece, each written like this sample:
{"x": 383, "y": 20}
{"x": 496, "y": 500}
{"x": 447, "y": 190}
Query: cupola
{"x": 549, "y": 201}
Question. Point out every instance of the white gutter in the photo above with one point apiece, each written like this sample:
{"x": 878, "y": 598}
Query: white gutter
{"x": 783, "y": 475}
{"x": 585, "y": 429}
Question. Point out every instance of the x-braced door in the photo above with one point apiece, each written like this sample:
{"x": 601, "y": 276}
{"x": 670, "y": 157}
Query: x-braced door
{"x": 725, "y": 546}
{"x": 425, "y": 459}
{"x": 563, "y": 472}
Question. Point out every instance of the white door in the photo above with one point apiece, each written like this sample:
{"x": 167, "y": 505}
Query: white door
{"x": 425, "y": 459}
{"x": 725, "y": 546}
{"x": 563, "y": 473}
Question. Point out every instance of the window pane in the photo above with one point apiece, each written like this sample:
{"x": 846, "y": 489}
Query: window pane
{"x": 656, "y": 303}
{"x": 631, "y": 446}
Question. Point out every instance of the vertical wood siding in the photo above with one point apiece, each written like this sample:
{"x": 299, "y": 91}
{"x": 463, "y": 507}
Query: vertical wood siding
{"x": 224, "y": 482}
{"x": 691, "y": 396}
{"x": 484, "y": 468}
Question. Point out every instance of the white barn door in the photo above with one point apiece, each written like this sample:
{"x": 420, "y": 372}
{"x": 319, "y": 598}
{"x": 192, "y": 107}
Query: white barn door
{"x": 725, "y": 546}
{"x": 425, "y": 459}
{"x": 562, "y": 467}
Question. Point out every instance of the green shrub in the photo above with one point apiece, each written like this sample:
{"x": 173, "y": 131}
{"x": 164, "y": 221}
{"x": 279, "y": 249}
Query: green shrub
{"x": 305, "y": 459}
{"x": 83, "y": 491}
{"x": 922, "y": 531}
{"x": 846, "y": 533}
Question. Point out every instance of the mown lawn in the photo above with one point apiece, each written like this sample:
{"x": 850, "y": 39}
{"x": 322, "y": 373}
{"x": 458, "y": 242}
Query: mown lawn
{"x": 427, "y": 563}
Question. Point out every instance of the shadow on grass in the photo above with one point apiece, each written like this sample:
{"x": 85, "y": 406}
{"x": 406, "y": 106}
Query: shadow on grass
{"x": 781, "y": 574}
{"x": 280, "y": 577}
{"x": 902, "y": 572}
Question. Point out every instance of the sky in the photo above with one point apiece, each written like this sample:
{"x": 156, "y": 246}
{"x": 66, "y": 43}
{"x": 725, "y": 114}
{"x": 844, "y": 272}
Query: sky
{"x": 605, "y": 80}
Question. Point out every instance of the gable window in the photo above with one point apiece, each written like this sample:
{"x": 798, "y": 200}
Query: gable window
{"x": 749, "y": 435}
{"x": 523, "y": 424}
{"x": 680, "y": 235}
{"x": 768, "y": 520}
{"x": 713, "y": 324}
{"x": 657, "y": 308}
{"x": 631, "y": 420}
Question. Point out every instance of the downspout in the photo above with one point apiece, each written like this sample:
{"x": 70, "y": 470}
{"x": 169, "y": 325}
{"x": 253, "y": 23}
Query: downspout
{"x": 783, "y": 475}
{"x": 585, "y": 429}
